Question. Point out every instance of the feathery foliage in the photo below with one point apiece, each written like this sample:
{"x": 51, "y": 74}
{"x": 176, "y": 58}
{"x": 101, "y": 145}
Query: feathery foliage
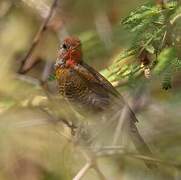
{"x": 152, "y": 47}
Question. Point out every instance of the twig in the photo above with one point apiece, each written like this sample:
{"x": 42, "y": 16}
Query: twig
{"x": 124, "y": 82}
{"x": 120, "y": 125}
{"x": 112, "y": 147}
{"x": 173, "y": 21}
{"x": 83, "y": 171}
{"x": 163, "y": 40}
{"x": 47, "y": 70}
{"x": 122, "y": 151}
{"x": 91, "y": 159}
{"x": 28, "y": 79}
{"x": 28, "y": 124}
{"x": 37, "y": 38}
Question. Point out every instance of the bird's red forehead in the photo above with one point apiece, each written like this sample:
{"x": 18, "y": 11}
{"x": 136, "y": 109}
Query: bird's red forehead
{"x": 72, "y": 41}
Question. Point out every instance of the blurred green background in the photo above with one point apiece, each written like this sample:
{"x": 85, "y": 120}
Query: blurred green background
{"x": 30, "y": 148}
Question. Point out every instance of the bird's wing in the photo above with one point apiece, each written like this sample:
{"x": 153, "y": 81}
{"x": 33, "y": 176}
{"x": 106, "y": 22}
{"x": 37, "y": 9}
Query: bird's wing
{"x": 100, "y": 84}
{"x": 97, "y": 79}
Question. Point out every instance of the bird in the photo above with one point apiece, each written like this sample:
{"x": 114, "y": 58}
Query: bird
{"x": 83, "y": 86}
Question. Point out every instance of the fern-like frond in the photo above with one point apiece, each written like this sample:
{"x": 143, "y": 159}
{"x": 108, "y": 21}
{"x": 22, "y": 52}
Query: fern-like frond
{"x": 165, "y": 59}
{"x": 166, "y": 78}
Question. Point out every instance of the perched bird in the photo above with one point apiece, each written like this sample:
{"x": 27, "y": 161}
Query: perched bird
{"x": 83, "y": 86}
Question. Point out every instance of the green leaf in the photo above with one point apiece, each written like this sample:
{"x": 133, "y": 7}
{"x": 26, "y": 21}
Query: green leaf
{"x": 177, "y": 64}
{"x": 166, "y": 82}
{"x": 141, "y": 17}
{"x": 165, "y": 59}
{"x": 150, "y": 49}
{"x": 51, "y": 77}
{"x": 125, "y": 54}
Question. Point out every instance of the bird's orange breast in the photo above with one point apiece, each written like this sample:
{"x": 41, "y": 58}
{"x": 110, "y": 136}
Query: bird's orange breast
{"x": 61, "y": 73}
{"x": 62, "y": 76}
{"x": 69, "y": 83}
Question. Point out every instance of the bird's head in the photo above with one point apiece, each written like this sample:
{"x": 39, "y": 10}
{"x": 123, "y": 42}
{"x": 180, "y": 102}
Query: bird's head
{"x": 70, "y": 53}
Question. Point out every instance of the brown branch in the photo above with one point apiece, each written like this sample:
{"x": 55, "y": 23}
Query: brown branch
{"x": 37, "y": 38}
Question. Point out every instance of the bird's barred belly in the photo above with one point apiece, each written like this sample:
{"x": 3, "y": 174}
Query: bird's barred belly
{"x": 72, "y": 92}
{"x": 75, "y": 90}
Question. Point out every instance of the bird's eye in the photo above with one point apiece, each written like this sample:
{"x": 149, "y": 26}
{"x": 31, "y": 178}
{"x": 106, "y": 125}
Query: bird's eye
{"x": 64, "y": 46}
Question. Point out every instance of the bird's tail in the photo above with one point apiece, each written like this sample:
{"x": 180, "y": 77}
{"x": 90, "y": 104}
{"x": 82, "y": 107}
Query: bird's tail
{"x": 140, "y": 145}
{"x": 137, "y": 139}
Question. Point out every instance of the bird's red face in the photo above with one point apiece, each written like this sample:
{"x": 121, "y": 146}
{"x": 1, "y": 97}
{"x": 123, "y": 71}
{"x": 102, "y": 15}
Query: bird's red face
{"x": 70, "y": 53}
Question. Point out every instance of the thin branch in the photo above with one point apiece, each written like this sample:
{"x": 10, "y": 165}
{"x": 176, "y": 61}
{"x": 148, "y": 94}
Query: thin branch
{"x": 46, "y": 72}
{"x": 112, "y": 147}
{"x": 83, "y": 171}
{"x": 163, "y": 40}
{"x": 28, "y": 79}
{"x": 122, "y": 151}
{"x": 37, "y": 38}
{"x": 124, "y": 82}
{"x": 28, "y": 124}
{"x": 91, "y": 159}
{"x": 173, "y": 21}
{"x": 119, "y": 125}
